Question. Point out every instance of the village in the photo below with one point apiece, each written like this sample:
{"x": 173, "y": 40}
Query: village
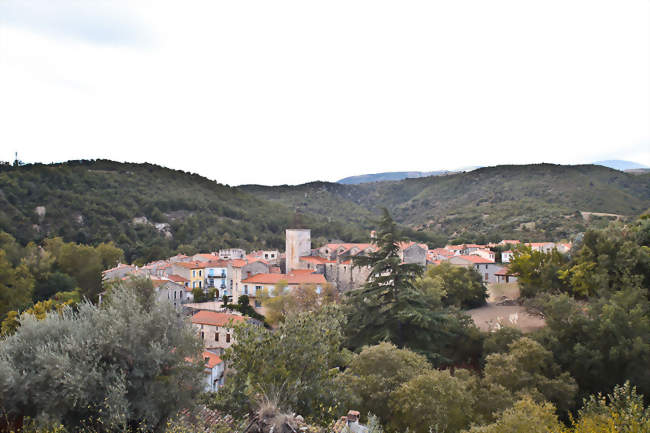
{"x": 230, "y": 275}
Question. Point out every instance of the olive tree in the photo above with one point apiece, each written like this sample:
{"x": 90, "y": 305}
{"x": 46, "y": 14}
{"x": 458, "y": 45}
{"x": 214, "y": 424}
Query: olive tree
{"x": 119, "y": 366}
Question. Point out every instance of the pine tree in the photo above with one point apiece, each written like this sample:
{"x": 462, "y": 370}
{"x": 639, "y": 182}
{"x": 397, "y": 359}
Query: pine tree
{"x": 390, "y": 307}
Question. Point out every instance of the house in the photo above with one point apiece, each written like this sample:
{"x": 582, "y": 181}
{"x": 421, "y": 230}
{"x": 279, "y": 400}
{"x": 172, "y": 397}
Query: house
{"x": 191, "y": 271}
{"x": 483, "y": 266}
{"x": 240, "y": 269}
{"x": 272, "y": 283}
{"x": 485, "y": 253}
{"x": 119, "y": 271}
{"x": 216, "y": 276}
{"x": 214, "y": 371}
{"x": 543, "y": 247}
{"x": 232, "y": 253}
{"x": 205, "y": 257}
{"x": 167, "y": 290}
{"x": 507, "y": 256}
{"x": 269, "y": 256}
{"x": 439, "y": 254}
{"x": 504, "y": 275}
{"x": 509, "y": 242}
{"x": 216, "y": 329}
{"x": 411, "y": 252}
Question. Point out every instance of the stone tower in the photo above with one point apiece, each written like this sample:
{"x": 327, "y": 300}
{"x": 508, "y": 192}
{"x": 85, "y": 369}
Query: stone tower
{"x": 298, "y": 244}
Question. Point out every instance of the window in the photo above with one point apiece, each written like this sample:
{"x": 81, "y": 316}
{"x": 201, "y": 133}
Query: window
{"x": 200, "y": 284}
{"x": 193, "y": 273}
{"x": 202, "y": 335}
{"x": 258, "y": 304}
{"x": 245, "y": 289}
{"x": 174, "y": 294}
{"x": 216, "y": 336}
{"x": 227, "y": 338}
{"x": 200, "y": 273}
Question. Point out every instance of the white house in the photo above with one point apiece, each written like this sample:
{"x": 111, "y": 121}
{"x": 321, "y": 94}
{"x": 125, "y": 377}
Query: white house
{"x": 214, "y": 371}
{"x": 507, "y": 256}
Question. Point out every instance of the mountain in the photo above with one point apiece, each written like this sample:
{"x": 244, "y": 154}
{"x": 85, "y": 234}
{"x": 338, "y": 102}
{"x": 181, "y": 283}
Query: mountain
{"x": 147, "y": 210}
{"x": 534, "y": 202}
{"x": 618, "y": 164}
{"x": 152, "y": 212}
{"x": 387, "y": 176}
{"x": 398, "y": 175}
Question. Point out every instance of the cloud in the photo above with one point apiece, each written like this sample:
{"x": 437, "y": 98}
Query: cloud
{"x": 98, "y": 22}
{"x": 258, "y": 91}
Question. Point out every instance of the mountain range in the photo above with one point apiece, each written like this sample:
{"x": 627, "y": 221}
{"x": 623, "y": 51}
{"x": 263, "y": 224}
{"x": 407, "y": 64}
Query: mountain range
{"x": 152, "y": 212}
{"x": 616, "y": 164}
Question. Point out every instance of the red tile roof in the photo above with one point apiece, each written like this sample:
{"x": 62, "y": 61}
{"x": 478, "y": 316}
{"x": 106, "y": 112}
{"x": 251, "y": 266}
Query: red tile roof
{"x": 205, "y": 317}
{"x": 211, "y": 359}
{"x": 177, "y": 278}
{"x": 191, "y": 265}
{"x": 475, "y": 259}
{"x": 300, "y": 277}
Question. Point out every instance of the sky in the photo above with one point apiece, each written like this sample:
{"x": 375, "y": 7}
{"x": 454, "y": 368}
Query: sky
{"x": 286, "y": 92}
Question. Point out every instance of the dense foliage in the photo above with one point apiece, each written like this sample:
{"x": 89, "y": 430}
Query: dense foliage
{"x": 106, "y": 369}
{"x": 90, "y": 202}
{"x": 529, "y": 202}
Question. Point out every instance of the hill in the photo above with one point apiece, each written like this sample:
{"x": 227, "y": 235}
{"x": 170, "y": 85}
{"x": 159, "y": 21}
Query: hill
{"x": 390, "y": 175}
{"x": 147, "y": 210}
{"x": 533, "y": 202}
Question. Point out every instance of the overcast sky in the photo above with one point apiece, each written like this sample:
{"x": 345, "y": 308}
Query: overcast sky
{"x": 276, "y": 91}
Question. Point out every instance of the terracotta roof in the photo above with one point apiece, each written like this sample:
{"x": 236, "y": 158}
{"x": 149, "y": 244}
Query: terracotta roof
{"x": 474, "y": 259}
{"x": 177, "y": 278}
{"x": 275, "y": 270}
{"x": 191, "y": 265}
{"x": 238, "y": 263}
{"x": 217, "y": 263}
{"x": 213, "y": 318}
{"x": 211, "y": 359}
{"x": 292, "y": 278}
{"x": 207, "y": 255}
{"x": 503, "y": 272}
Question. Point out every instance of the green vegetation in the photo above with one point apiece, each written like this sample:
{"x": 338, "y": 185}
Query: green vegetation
{"x": 122, "y": 366}
{"x": 392, "y": 307}
{"x": 93, "y": 202}
{"x": 531, "y": 202}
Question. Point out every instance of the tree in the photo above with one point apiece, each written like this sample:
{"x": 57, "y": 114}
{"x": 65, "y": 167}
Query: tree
{"x": 460, "y": 287}
{"x": 112, "y": 368}
{"x": 390, "y": 307}
{"x": 374, "y": 374}
{"x": 16, "y": 285}
{"x": 603, "y": 343}
{"x": 300, "y": 299}
{"x": 621, "y": 411}
{"x": 527, "y": 416}
{"x": 609, "y": 260}
{"x": 294, "y": 365}
{"x": 537, "y": 271}
{"x": 528, "y": 368}
{"x": 434, "y": 401}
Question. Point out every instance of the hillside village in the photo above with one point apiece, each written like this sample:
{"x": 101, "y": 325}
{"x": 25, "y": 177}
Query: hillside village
{"x": 228, "y": 276}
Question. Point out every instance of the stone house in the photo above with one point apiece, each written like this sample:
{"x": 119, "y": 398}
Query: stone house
{"x": 216, "y": 329}
{"x": 272, "y": 283}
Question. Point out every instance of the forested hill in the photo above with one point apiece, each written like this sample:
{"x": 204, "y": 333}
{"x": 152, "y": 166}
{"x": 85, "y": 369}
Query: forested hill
{"x": 532, "y": 202}
{"x": 98, "y": 201}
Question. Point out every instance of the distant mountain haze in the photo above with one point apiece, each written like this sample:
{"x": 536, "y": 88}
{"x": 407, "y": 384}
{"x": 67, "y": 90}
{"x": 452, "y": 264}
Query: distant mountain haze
{"x": 616, "y": 164}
